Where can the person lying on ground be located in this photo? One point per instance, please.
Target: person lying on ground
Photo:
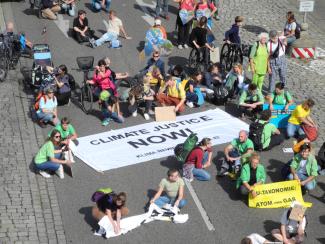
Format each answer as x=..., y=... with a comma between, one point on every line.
x=102, y=79
x=49, y=156
x=113, y=206
x=291, y=231
x=236, y=153
x=173, y=189
x=300, y=115
x=47, y=112
x=304, y=168
x=114, y=28
x=254, y=239
x=251, y=101
x=271, y=136
x=175, y=95
x=198, y=160
x=110, y=108
x=280, y=97
x=81, y=30
x=252, y=174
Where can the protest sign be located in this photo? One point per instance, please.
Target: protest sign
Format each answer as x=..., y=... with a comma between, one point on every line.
x=144, y=142
x=186, y=16
x=277, y=195
x=279, y=115
x=154, y=41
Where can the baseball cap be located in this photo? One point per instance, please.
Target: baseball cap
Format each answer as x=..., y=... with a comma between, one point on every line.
x=157, y=22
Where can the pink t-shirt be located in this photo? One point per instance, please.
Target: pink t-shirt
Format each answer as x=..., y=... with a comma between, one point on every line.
x=187, y=5
x=206, y=6
x=104, y=82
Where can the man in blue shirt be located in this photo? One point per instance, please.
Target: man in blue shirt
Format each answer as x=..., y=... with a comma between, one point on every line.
x=155, y=61
x=232, y=35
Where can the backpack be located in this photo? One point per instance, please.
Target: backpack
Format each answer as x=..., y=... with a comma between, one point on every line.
x=275, y=54
x=255, y=134
x=220, y=95
x=99, y=193
x=38, y=99
x=182, y=150
x=297, y=30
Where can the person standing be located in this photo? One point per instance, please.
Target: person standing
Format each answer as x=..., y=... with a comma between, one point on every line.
x=162, y=4
x=258, y=59
x=277, y=59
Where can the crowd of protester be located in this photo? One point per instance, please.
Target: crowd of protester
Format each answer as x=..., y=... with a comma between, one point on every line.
x=158, y=87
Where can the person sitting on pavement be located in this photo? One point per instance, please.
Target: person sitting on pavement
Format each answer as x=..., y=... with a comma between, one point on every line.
x=300, y=115
x=114, y=207
x=304, y=168
x=178, y=72
x=291, y=231
x=69, y=6
x=48, y=158
x=251, y=101
x=254, y=239
x=280, y=97
x=110, y=108
x=156, y=80
x=102, y=79
x=290, y=28
x=277, y=59
x=198, y=160
x=81, y=30
x=47, y=112
x=155, y=60
x=194, y=96
x=212, y=77
x=114, y=75
x=50, y=8
x=252, y=174
x=232, y=35
x=271, y=136
x=236, y=153
x=98, y=5
x=114, y=28
x=175, y=94
x=235, y=80
x=198, y=40
x=173, y=187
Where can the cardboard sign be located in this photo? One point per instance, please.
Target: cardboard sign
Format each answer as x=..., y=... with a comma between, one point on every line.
x=215, y=55
x=165, y=113
x=297, y=213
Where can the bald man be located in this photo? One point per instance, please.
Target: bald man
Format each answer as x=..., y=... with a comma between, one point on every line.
x=236, y=152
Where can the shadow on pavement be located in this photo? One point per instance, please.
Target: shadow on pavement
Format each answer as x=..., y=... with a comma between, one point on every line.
x=322, y=219
x=30, y=11
x=321, y=240
x=229, y=187
x=254, y=29
x=274, y=170
x=150, y=11
x=232, y=108
x=270, y=225
x=86, y=211
x=171, y=163
x=150, y=194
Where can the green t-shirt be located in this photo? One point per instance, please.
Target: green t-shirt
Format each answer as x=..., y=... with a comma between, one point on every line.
x=268, y=131
x=247, y=97
x=46, y=152
x=64, y=133
x=281, y=99
x=242, y=147
x=171, y=188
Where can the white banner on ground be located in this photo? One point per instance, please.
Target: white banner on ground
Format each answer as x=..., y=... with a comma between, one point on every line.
x=141, y=143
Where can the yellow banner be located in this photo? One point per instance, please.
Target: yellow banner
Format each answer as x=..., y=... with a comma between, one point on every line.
x=277, y=195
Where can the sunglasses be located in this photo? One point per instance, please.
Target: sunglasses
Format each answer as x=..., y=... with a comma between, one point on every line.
x=156, y=56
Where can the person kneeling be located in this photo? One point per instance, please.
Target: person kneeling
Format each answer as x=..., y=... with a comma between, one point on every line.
x=198, y=160
x=252, y=174
x=110, y=108
x=251, y=101
x=304, y=168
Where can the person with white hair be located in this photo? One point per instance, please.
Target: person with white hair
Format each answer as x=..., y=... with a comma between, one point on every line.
x=258, y=59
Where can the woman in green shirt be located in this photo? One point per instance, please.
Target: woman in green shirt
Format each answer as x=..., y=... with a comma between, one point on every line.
x=252, y=174
x=258, y=59
x=48, y=158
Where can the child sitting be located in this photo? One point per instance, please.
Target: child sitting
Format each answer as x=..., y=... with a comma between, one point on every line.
x=110, y=108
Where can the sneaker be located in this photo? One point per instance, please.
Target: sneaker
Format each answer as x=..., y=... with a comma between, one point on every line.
x=44, y=174
x=105, y=122
x=146, y=116
x=185, y=46
x=190, y=104
x=180, y=47
x=188, y=179
x=209, y=91
x=92, y=43
x=151, y=112
x=60, y=172
x=135, y=113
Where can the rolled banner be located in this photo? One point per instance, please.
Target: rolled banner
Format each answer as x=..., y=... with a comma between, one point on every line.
x=186, y=16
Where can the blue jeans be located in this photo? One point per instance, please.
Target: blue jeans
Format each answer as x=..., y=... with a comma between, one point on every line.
x=191, y=97
x=112, y=115
x=162, y=200
x=71, y=8
x=292, y=129
x=309, y=186
x=162, y=4
x=49, y=165
x=291, y=39
x=45, y=117
x=97, y=7
x=202, y=174
x=107, y=37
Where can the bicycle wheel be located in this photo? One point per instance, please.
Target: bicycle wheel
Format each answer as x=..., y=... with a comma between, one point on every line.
x=86, y=97
x=237, y=56
x=193, y=60
x=225, y=56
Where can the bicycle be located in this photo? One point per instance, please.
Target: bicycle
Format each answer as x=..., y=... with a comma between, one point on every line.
x=4, y=59
x=231, y=53
x=196, y=60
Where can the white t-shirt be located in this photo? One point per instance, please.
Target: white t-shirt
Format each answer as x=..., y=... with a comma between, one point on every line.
x=275, y=45
x=256, y=238
x=302, y=166
x=114, y=25
x=289, y=27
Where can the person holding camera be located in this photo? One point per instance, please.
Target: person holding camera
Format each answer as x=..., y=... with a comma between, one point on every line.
x=49, y=156
x=277, y=60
